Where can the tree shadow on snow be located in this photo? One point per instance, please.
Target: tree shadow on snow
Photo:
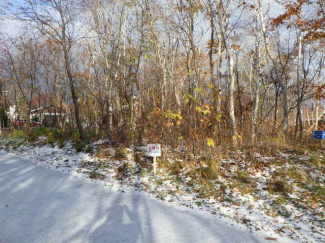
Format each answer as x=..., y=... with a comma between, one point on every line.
x=48, y=206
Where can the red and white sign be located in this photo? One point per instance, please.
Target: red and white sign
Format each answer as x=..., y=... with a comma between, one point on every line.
x=154, y=150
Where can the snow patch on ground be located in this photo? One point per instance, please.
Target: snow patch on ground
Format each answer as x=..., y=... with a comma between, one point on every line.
x=289, y=223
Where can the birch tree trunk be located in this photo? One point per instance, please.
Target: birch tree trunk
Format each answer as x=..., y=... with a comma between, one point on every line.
x=219, y=66
x=257, y=83
x=221, y=21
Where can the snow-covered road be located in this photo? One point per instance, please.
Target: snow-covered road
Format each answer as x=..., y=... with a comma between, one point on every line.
x=41, y=205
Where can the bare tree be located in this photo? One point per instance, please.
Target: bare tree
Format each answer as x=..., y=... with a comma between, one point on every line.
x=56, y=20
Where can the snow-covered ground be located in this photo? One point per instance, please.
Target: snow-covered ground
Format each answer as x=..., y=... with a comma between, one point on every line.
x=254, y=206
x=39, y=205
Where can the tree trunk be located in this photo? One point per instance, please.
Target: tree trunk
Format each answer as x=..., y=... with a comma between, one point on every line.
x=212, y=79
x=72, y=90
x=298, y=118
x=219, y=66
x=231, y=75
x=66, y=54
x=318, y=98
x=1, y=97
x=280, y=80
x=316, y=114
x=257, y=83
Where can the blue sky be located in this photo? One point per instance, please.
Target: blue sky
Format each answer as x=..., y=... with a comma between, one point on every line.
x=4, y=4
x=18, y=2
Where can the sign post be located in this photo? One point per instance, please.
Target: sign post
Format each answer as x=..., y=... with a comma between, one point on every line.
x=154, y=150
x=4, y=93
x=319, y=135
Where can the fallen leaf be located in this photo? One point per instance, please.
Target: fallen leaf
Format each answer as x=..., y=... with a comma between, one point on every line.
x=270, y=238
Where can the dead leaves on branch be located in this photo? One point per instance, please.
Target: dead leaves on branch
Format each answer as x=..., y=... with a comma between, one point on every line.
x=313, y=27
